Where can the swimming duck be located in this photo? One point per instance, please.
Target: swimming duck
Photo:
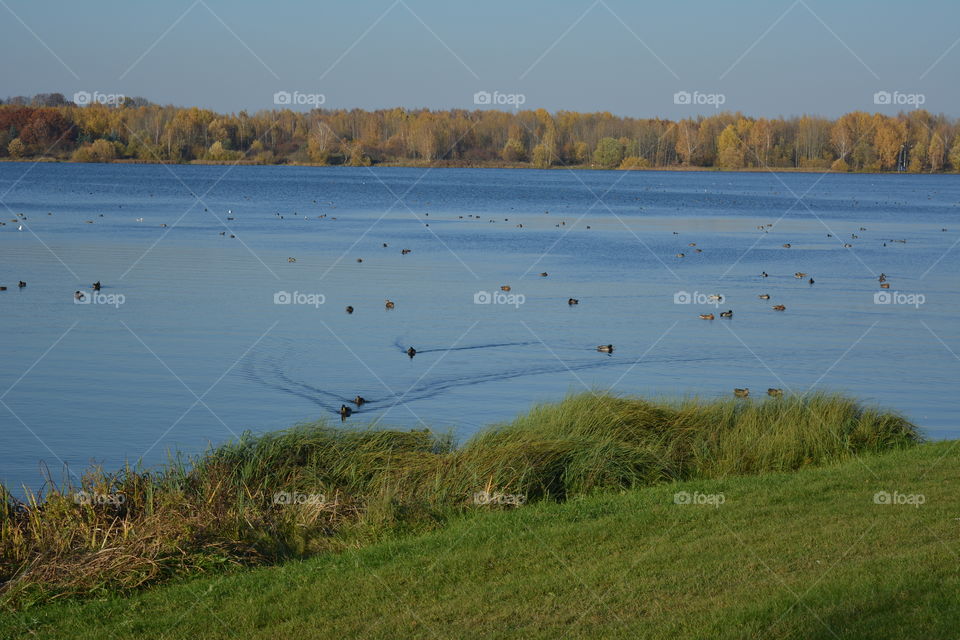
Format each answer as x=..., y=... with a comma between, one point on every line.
x=605, y=348
x=786, y=246
x=882, y=278
x=774, y=392
x=572, y=301
x=706, y=316
x=3, y=288
x=345, y=412
x=404, y=252
x=78, y=295
x=764, y=296
x=291, y=259
x=715, y=296
x=359, y=259
x=741, y=393
x=389, y=304
x=349, y=309
x=810, y=280
x=505, y=287
x=692, y=244
x=779, y=307
x=726, y=314
x=680, y=255
x=96, y=286
x=544, y=274
x=764, y=274
x=385, y=244
x=359, y=400
x=411, y=352
x=799, y=274
x=22, y=284
x=885, y=285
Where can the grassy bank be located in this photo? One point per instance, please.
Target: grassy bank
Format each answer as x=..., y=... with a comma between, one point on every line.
x=805, y=555
x=318, y=488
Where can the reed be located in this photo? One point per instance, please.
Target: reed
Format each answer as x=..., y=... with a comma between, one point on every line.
x=317, y=488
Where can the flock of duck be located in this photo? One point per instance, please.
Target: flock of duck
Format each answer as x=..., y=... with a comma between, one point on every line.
x=345, y=411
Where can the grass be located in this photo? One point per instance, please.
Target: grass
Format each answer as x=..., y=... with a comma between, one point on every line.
x=220, y=511
x=805, y=555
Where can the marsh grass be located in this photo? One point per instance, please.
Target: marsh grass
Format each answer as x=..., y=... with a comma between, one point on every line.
x=353, y=487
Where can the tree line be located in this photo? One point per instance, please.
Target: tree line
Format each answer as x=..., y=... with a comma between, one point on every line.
x=136, y=130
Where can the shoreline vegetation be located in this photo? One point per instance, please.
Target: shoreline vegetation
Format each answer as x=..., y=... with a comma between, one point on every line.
x=47, y=127
x=316, y=489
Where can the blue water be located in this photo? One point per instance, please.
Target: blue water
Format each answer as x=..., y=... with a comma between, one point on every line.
x=185, y=346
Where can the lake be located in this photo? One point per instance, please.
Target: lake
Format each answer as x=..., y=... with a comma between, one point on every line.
x=204, y=327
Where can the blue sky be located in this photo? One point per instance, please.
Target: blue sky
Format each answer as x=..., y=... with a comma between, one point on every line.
x=766, y=58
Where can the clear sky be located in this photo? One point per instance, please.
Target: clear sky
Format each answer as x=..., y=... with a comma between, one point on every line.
x=765, y=58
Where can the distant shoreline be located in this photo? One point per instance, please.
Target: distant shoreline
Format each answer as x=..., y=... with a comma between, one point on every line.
x=491, y=165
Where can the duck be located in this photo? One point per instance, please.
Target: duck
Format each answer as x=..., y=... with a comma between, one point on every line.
x=726, y=314
x=715, y=296
x=389, y=304
x=78, y=295
x=680, y=255
x=21, y=284
x=291, y=259
x=692, y=244
x=404, y=252
x=345, y=412
x=349, y=309
x=764, y=296
x=764, y=274
x=799, y=274
x=774, y=392
x=885, y=285
x=544, y=274
x=411, y=352
x=883, y=277
x=741, y=393
x=787, y=245
x=3, y=288
x=605, y=348
x=572, y=301
x=706, y=316
x=385, y=244
x=95, y=286
x=359, y=400
x=505, y=287
x=359, y=259
x=810, y=280
x=847, y=245
x=779, y=307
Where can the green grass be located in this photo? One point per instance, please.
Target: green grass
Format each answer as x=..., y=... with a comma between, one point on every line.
x=217, y=512
x=786, y=555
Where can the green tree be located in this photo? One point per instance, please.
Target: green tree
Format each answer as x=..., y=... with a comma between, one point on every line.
x=730, y=149
x=609, y=153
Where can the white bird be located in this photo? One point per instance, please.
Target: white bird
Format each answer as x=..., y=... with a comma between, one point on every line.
x=139, y=219
x=20, y=227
